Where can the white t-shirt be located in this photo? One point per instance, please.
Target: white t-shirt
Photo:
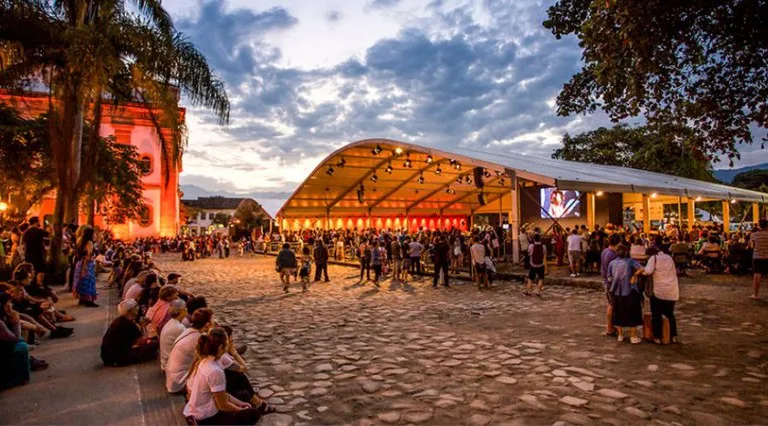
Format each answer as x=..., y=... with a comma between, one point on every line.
x=128, y=285
x=662, y=267
x=574, y=243
x=478, y=253
x=133, y=293
x=180, y=359
x=207, y=379
x=171, y=331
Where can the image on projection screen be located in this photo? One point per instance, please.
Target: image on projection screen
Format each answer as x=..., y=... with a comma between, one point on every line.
x=559, y=204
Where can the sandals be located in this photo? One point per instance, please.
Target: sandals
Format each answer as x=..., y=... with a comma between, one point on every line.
x=265, y=408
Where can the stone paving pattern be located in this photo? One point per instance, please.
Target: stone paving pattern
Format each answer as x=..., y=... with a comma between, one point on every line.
x=347, y=353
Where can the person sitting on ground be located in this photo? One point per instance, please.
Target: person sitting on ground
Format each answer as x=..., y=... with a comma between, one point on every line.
x=14, y=352
x=172, y=329
x=209, y=402
x=132, y=288
x=626, y=295
x=158, y=314
x=238, y=383
x=286, y=265
x=183, y=351
x=193, y=305
x=37, y=290
x=124, y=343
x=39, y=311
x=711, y=253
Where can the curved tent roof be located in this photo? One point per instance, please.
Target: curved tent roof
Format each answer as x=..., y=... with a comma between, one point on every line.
x=401, y=178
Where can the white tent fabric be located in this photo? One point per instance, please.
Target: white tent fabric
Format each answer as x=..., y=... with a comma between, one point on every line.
x=392, y=188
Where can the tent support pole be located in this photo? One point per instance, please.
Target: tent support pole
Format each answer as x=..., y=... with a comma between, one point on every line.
x=514, y=219
x=726, y=217
x=646, y=214
x=680, y=212
x=755, y=212
x=691, y=213
x=591, y=210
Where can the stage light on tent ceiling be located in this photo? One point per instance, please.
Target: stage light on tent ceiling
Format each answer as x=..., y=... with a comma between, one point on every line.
x=698, y=198
x=654, y=195
x=429, y=159
x=389, y=168
x=599, y=193
x=468, y=180
x=438, y=170
x=374, y=177
x=733, y=201
x=458, y=179
x=330, y=171
x=377, y=150
x=486, y=173
x=421, y=178
x=501, y=181
x=398, y=151
x=457, y=166
x=341, y=163
x=407, y=163
x=450, y=191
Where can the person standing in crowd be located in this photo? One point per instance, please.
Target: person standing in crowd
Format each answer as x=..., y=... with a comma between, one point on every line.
x=574, y=252
x=759, y=242
x=606, y=257
x=306, y=268
x=665, y=292
x=123, y=344
x=405, y=251
x=558, y=242
x=477, y=252
x=33, y=241
x=537, y=255
x=627, y=297
x=286, y=265
x=84, y=278
x=321, y=260
x=397, y=259
x=378, y=260
x=442, y=253
x=414, y=253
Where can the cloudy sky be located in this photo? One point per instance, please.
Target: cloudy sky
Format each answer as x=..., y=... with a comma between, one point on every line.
x=307, y=76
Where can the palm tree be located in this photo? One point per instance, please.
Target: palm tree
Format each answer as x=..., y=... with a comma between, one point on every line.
x=91, y=52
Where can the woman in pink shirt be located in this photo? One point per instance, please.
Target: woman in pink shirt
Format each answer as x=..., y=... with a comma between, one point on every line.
x=158, y=314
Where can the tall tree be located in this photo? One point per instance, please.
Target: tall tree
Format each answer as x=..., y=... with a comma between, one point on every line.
x=86, y=50
x=697, y=63
x=662, y=149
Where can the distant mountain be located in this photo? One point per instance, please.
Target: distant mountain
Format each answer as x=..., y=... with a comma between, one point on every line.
x=727, y=175
x=270, y=200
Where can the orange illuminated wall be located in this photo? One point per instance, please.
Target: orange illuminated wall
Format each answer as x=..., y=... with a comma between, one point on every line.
x=412, y=223
x=130, y=124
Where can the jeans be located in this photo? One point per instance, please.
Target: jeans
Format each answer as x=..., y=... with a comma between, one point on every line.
x=376, y=272
x=365, y=269
x=441, y=266
x=666, y=308
x=321, y=267
x=415, y=265
x=15, y=370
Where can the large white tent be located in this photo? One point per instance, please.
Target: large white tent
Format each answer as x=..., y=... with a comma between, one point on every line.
x=377, y=182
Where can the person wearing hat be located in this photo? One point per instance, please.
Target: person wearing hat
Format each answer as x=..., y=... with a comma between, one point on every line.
x=124, y=343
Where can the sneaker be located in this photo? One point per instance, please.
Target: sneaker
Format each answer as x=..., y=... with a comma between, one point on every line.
x=61, y=332
x=620, y=338
x=635, y=340
x=754, y=297
x=572, y=275
x=675, y=340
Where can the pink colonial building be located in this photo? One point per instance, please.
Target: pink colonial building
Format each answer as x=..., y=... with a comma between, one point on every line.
x=130, y=124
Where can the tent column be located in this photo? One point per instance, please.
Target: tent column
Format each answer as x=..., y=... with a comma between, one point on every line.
x=591, y=210
x=646, y=214
x=755, y=213
x=691, y=212
x=471, y=220
x=679, y=212
x=726, y=216
x=514, y=220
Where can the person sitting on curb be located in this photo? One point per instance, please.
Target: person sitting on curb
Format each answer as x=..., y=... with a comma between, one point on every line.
x=172, y=329
x=182, y=353
x=124, y=343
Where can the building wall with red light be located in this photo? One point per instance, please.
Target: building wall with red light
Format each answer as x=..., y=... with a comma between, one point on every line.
x=130, y=124
x=412, y=223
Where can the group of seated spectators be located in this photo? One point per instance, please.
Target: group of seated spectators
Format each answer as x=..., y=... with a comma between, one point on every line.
x=159, y=321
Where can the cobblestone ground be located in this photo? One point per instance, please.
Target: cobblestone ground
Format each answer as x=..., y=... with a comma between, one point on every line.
x=346, y=353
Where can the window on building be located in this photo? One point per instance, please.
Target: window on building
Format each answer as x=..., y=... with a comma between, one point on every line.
x=146, y=165
x=211, y=215
x=145, y=218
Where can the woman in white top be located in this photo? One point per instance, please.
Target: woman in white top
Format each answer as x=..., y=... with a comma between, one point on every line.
x=665, y=292
x=182, y=353
x=209, y=403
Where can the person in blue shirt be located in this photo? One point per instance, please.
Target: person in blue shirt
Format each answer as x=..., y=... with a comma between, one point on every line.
x=627, y=296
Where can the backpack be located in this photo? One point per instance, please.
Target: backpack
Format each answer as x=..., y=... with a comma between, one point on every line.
x=537, y=258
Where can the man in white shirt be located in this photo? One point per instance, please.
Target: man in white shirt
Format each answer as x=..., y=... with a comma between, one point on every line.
x=477, y=252
x=172, y=329
x=574, y=252
x=665, y=292
x=414, y=252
